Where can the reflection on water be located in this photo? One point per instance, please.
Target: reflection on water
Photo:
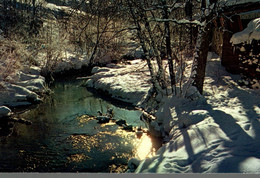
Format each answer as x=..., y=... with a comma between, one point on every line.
x=64, y=137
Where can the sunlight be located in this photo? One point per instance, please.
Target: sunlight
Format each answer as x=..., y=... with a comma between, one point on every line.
x=144, y=148
x=85, y=118
x=77, y=158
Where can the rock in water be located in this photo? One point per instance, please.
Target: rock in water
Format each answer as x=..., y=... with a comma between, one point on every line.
x=121, y=122
x=139, y=132
x=5, y=111
x=100, y=113
x=128, y=128
x=103, y=119
x=110, y=112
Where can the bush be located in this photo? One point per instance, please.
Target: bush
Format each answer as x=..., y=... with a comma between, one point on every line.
x=11, y=56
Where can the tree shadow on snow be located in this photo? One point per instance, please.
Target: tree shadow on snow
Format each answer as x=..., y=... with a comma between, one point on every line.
x=243, y=146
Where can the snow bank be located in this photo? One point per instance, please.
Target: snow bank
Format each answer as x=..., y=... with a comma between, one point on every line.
x=57, y=8
x=252, y=32
x=24, y=90
x=218, y=135
x=128, y=83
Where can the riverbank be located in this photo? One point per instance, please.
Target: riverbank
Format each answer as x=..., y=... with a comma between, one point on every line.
x=217, y=133
x=26, y=89
x=127, y=82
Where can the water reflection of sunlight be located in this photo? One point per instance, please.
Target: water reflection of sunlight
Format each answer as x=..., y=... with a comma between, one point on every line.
x=77, y=158
x=144, y=148
x=112, y=138
x=85, y=118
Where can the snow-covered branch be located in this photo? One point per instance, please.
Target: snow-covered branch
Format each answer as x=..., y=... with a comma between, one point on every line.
x=179, y=22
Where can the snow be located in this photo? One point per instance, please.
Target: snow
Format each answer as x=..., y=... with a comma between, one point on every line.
x=57, y=8
x=182, y=21
x=252, y=32
x=237, y=2
x=4, y=111
x=24, y=90
x=128, y=83
x=219, y=134
x=215, y=133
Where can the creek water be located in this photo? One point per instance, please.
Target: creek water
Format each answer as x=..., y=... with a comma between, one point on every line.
x=63, y=138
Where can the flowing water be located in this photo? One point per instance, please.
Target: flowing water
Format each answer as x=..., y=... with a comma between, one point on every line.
x=63, y=138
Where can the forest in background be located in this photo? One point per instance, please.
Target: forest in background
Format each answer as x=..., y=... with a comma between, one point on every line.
x=42, y=33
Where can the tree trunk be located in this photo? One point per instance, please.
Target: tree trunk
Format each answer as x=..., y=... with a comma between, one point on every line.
x=168, y=46
x=200, y=59
x=201, y=50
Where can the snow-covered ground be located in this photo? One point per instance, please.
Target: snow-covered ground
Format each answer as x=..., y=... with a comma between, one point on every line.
x=219, y=134
x=128, y=83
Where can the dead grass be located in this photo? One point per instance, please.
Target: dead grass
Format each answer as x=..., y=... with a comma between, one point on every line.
x=12, y=55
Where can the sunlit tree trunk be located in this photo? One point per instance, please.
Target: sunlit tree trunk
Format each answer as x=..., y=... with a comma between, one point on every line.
x=201, y=49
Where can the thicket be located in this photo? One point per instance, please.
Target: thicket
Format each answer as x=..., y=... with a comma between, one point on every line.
x=101, y=31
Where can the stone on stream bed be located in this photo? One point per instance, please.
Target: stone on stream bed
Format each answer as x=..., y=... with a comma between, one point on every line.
x=103, y=119
x=121, y=122
x=128, y=128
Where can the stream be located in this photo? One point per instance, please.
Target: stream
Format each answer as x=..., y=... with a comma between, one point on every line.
x=64, y=138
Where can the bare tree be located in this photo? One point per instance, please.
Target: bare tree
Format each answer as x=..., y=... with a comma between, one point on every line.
x=208, y=11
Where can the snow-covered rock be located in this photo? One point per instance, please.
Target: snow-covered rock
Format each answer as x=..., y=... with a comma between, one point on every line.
x=31, y=80
x=4, y=111
x=97, y=69
x=36, y=85
x=33, y=70
x=24, y=90
x=252, y=32
x=16, y=95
